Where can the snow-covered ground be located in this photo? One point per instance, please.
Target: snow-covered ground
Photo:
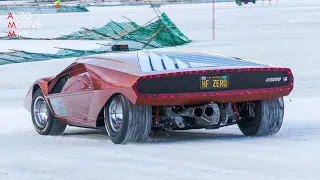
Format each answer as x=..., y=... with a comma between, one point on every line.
x=287, y=34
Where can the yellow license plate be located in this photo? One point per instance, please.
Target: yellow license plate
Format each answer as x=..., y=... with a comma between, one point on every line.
x=214, y=82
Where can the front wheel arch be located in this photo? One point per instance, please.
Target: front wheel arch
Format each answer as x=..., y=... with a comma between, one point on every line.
x=36, y=88
x=51, y=126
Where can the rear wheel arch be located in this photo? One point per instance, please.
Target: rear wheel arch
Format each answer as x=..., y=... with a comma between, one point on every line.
x=100, y=118
x=136, y=121
x=268, y=119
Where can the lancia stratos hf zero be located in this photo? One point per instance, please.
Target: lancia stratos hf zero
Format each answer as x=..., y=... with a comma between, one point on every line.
x=133, y=94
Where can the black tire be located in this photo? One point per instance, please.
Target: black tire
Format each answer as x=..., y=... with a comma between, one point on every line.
x=53, y=125
x=268, y=118
x=136, y=123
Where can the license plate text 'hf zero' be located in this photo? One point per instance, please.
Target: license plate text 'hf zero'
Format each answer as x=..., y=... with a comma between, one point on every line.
x=214, y=82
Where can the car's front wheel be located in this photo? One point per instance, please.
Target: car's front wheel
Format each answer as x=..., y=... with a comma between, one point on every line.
x=126, y=122
x=43, y=120
x=267, y=120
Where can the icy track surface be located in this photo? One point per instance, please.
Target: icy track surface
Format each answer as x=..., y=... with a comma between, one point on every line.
x=287, y=34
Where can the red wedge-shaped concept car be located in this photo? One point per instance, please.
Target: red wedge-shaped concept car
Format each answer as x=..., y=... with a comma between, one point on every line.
x=131, y=94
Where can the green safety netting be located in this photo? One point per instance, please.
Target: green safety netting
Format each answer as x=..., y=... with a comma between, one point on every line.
x=156, y=33
x=41, y=9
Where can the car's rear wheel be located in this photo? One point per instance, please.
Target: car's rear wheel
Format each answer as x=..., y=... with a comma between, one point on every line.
x=267, y=120
x=43, y=120
x=126, y=122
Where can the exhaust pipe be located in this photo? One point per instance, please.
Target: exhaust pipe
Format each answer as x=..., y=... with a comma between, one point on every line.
x=197, y=112
x=192, y=112
x=211, y=113
x=204, y=115
x=208, y=111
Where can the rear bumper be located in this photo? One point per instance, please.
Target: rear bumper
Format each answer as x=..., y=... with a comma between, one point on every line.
x=222, y=97
x=248, y=84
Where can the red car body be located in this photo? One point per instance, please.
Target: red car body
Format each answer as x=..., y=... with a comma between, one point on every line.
x=91, y=81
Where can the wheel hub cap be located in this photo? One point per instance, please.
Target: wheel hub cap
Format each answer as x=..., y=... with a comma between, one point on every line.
x=40, y=112
x=115, y=114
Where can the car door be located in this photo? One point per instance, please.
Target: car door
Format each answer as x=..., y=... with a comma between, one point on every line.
x=71, y=96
